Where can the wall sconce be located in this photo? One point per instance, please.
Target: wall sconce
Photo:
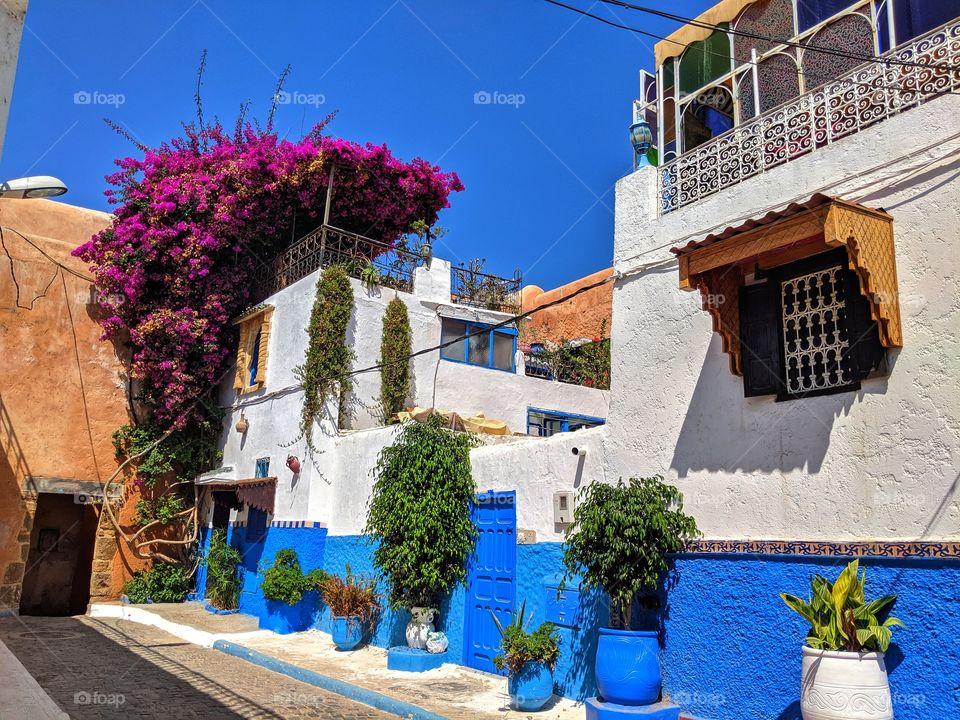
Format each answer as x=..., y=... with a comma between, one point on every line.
x=641, y=137
x=242, y=424
x=293, y=463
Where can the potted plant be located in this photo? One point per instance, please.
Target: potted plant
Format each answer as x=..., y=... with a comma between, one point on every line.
x=529, y=659
x=618, y=543
x=419, y=519
x=290, y=594
x=354, y=604
x=223, y=581
x=843, y=675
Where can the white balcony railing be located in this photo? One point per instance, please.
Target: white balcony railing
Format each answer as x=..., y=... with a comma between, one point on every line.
x=864, y=96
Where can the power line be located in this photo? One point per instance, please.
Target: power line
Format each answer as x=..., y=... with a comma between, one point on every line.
x=776, y=41
x=782, y=71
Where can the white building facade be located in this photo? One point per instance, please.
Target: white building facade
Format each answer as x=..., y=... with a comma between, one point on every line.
x=799, y=442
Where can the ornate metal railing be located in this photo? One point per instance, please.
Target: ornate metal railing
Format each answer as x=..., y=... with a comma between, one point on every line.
x=364, y=258
x=862, y=97
x=481, y=290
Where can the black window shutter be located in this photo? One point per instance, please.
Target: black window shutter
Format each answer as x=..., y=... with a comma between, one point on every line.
x=866, y=352
x=760, y=339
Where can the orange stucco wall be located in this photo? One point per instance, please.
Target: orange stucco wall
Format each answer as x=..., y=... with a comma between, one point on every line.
x=581, y=317
x=62, y=389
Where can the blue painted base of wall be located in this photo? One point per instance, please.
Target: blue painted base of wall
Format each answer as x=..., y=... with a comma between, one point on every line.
x=411, y=659
x=354, y=692
x=730, y=648
x=599, y=710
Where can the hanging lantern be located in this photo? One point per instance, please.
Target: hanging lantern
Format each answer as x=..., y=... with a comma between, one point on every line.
x=641, y=138
x=242, y=424
x=293, y=463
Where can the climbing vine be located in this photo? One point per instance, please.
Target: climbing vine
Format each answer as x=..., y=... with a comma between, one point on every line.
x=419, y=513
x=395, y=351
x=327, y=362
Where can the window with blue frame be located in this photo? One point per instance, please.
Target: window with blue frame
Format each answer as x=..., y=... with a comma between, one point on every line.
x=255, y=359
x=544, y=423
x=476, y=344
x=263, y=468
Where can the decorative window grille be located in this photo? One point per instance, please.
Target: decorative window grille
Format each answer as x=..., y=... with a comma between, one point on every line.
x=815, y=332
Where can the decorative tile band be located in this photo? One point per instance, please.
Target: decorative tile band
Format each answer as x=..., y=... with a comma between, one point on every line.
x=922, y=549
x=297, y=524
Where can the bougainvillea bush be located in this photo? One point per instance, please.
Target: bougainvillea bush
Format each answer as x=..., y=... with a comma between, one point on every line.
x=199, y=215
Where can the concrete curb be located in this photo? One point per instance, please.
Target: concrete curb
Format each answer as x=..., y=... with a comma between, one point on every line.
x=353, y=692
x=184, y=632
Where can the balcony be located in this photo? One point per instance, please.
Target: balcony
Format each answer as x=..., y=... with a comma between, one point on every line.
x=364, y=258
x=470, y=286
x=856, y=100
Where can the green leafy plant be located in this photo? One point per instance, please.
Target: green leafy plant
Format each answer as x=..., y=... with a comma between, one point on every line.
x=841, y=618
x=328, y=358
x=395, y=348
x=520, y=646
x=180, y=457
x=223, y=578
x=370, y=274
x=163, y=509
x=419, y=513
x=161, y=583
x=620, y=537
x=586, y=363
x=284, y=580
x=352, y=596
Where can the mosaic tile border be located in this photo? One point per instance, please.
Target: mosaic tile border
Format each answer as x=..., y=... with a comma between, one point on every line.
x=921, y=549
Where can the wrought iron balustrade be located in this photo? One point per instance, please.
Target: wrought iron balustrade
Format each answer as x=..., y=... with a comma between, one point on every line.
x=363, y=258
x=482, y=290
x=858, y=99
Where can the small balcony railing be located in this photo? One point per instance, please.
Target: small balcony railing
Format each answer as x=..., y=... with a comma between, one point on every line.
x=862, y=97
x=489, y=292
x=364, y=258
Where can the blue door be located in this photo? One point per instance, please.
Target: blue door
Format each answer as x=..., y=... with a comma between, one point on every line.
x=492, y=576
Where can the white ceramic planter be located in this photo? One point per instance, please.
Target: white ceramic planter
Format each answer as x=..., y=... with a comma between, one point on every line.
x=844, y=686
x=420, y=627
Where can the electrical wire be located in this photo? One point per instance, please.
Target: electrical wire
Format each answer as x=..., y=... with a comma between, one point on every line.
x=782, y=71
x=776, y=41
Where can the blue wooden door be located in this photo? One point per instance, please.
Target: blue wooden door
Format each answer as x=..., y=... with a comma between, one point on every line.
x=492, y=577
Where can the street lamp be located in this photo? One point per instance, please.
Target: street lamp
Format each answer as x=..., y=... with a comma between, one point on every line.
x=641, y=138
x=38, y=186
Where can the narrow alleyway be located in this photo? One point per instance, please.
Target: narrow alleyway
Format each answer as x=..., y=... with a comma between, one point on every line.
x=110, y=669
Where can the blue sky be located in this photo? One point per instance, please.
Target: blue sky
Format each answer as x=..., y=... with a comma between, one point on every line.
x=539, y=162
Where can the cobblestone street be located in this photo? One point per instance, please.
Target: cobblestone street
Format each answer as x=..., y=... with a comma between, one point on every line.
x=103, y=669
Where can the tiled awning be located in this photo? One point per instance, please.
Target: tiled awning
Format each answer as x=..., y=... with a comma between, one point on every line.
x=255, y=492
x=718, y=264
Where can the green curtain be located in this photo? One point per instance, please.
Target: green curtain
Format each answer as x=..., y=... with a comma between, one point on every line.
x=705, y=61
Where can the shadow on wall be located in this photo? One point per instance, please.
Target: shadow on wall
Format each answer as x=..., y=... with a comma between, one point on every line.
x=723, y=431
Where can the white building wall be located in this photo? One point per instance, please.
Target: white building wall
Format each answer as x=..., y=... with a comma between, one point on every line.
x=878, y=463
x=333, y=486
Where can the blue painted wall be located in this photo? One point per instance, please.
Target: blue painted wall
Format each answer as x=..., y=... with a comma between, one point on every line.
x=731, y=649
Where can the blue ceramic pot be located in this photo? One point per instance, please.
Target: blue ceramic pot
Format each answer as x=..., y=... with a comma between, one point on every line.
x=284, y=619
x=532, y=687
x=628, y=666
x=347, y=632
